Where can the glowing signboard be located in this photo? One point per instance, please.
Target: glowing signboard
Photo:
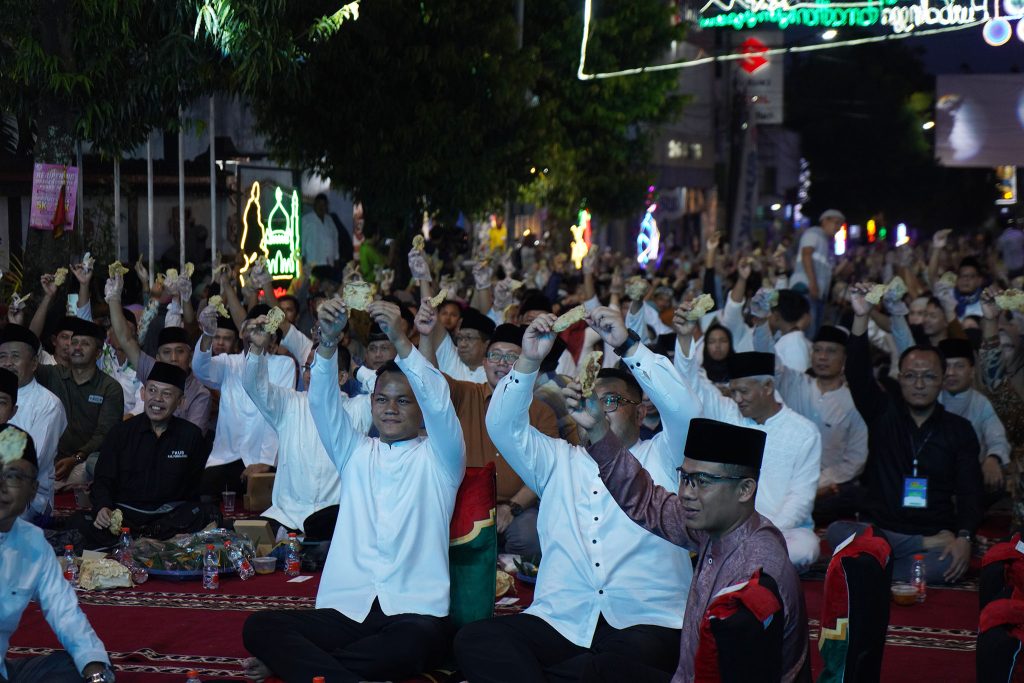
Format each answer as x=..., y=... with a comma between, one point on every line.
x=899, y=17
x=279, y=235
x=648, y=242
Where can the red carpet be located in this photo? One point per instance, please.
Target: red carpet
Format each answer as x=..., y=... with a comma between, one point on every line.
x=160, y=630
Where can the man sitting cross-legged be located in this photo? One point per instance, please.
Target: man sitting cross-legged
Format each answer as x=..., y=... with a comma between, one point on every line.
x=381, y=610
x=149, y=466
x=604, y=585
x=29, y=571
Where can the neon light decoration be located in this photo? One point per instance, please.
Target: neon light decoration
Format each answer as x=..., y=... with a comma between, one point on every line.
x=580, y=238
x=872, y=230
x=901, y=235
x=839, y=246
x=648, y=242
x=279, y=240
x=901, y=19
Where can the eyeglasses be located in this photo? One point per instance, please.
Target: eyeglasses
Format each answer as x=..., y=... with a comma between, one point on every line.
x=611, y=402
x=507, y=358
x=914, y=378
x=702, y=480
x=467, y=338
x=14, y=479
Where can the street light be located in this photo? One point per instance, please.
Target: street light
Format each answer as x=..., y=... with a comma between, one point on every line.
x=829, y=34
x=776, y=206
x=928, y=125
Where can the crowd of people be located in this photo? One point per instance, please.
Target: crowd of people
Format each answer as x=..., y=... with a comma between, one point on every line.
x=711, y=454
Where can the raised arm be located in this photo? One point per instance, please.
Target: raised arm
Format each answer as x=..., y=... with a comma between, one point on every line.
x=531, y=454
x=129, y=344
x=269, y=399
x=675, y=401
x=38, y=321
x=868, y=396
x=654, y=508
x=207, y=369
x=332, y=422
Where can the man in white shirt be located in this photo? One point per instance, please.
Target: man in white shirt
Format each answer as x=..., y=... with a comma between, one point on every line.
x=960, y=398
x=39, y=412
x=381, y=610
x=464, y=360
x=792, y=455
x=787, y=322
x=244, y=444
x=825, y=400
x=812, y=272
x=29, y=570
x=319, y=236
x=307, y=486
x=604, y=584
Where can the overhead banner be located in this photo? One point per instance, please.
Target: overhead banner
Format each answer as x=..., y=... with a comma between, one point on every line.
x=979, y=120
x=54, y=197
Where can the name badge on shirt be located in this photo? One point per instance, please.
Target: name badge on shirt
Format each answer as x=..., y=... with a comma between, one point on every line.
x=915, y=492
x=93, y=398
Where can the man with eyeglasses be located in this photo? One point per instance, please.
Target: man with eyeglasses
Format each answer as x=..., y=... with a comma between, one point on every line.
x=29, y=570
x=464, y=360
x=516, y=513
x=740, y=554
x=922, y=484
x=38, y=411
x=792, y=452
x=605, y=585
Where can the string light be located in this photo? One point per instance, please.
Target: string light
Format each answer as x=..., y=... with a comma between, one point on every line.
x=582, y=74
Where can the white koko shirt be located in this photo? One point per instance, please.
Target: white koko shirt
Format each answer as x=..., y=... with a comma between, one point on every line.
x=597, y=561
x=396, y=499
x=41, y=414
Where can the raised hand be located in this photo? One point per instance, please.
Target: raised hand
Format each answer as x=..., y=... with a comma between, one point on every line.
x=539, y=337
x=860, y=304
x=714, y=239
x=207, y=320
x=49, y=288
x=941, y=239
x=389, y=317
x=508, y=263
x=426, y=318
x=418, y=265
x=113, y=288
x=590, y=261
x=683, y=328
x=333, y=316
x=142, y=272
x=745, y=267
x=259, y=338
x=585, y=412
x=482, y=272
x=989, y=309
x=609, y=324
x=81, y=273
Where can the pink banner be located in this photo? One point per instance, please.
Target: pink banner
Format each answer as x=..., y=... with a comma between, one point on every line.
x=47, y=181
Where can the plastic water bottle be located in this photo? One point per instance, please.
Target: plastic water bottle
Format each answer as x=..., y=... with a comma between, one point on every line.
x=292, y=563
x=70, y=567
x=918, y=577
x=193, y=677
x=124, y=547
x=242, y=565
x=211, y=569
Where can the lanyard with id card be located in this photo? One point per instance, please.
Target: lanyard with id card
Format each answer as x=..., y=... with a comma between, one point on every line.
x=915, y=488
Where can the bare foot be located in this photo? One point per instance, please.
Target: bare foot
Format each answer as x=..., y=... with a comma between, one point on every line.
x=256, y=670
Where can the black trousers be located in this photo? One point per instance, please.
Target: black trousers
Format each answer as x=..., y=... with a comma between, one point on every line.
x=298, y=645
x=522, y=648
x=220, y=478
x=609, y=668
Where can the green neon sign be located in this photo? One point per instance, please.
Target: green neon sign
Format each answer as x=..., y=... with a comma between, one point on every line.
x=899, y=18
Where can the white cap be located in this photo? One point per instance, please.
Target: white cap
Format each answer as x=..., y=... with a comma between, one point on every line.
x=832, y=213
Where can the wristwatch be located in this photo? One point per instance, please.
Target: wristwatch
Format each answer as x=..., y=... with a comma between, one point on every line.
x=964, y=533
x=631, y=338
x=516, y=509
x=105, y=676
